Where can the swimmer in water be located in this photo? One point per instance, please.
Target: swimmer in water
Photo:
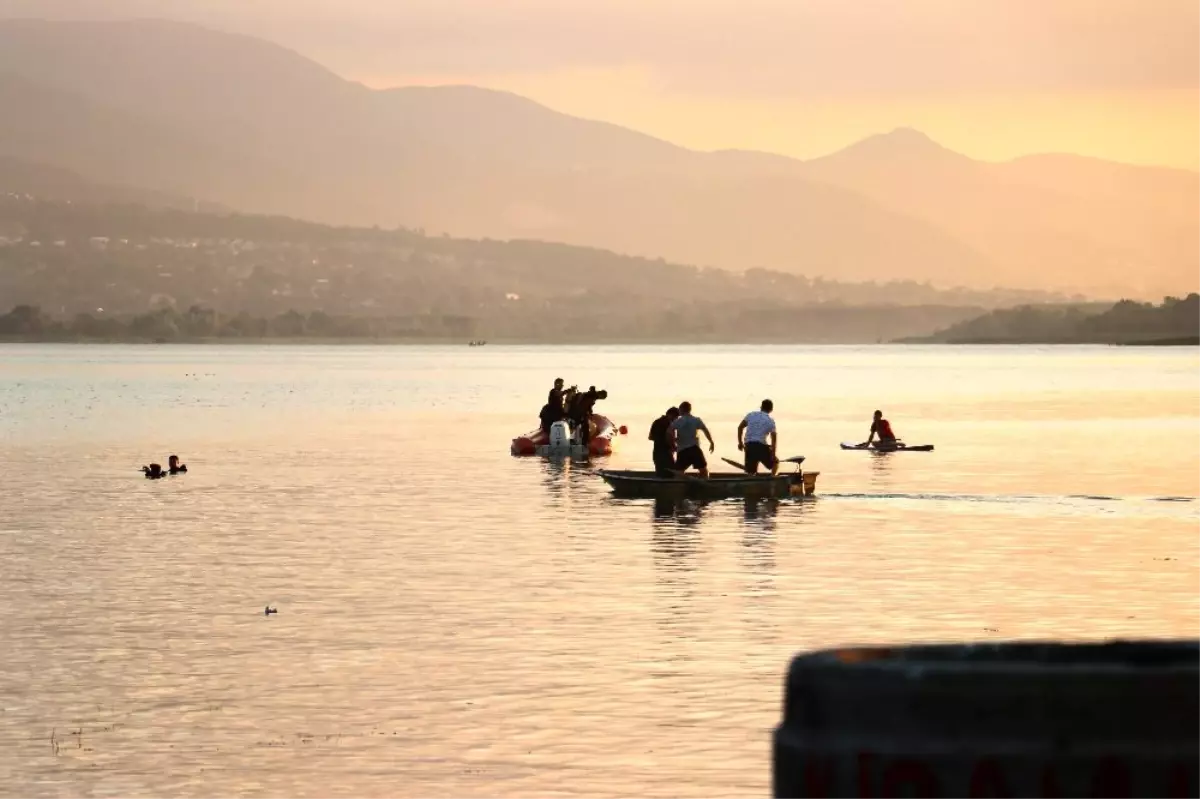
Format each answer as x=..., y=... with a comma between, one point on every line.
x=175, y=466
x=153, y=471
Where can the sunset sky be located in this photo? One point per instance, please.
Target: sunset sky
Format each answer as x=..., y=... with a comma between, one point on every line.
x=994, y=79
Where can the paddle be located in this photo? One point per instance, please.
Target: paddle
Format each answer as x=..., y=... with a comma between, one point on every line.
x=798, y=459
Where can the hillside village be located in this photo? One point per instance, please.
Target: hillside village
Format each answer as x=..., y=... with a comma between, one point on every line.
x=117, y=261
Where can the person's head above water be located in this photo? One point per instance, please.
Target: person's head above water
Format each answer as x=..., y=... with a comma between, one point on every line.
x=173, y=460
x=685, y=408
x=767, y=406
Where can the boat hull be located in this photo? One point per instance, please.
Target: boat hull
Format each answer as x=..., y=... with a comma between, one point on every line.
x=720, y=485
x=537, y=442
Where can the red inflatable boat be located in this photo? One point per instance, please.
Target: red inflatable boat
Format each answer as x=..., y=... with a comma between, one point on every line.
x=560, y=442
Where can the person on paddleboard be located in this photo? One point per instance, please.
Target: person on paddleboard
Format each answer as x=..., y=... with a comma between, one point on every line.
x=883, y=428
x=757, y=427
x=664, y=446
x=686, y=431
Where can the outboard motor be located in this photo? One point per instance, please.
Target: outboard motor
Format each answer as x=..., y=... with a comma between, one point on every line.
x=560, y=435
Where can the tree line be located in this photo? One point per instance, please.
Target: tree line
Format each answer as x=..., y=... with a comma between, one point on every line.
x=724, y=322
x=1174, y=320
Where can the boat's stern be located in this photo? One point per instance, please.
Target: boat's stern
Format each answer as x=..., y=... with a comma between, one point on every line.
x=804, y=484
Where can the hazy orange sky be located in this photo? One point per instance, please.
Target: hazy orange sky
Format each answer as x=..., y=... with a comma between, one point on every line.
x=994, y=79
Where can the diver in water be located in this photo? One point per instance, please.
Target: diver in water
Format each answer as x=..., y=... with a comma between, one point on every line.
x=155, y=470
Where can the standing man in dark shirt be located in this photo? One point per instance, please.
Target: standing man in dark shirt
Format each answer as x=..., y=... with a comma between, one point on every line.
x=555, y=398
x=664, y=444
x=552, y=411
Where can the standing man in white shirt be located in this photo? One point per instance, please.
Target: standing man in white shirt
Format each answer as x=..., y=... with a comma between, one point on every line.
x=757, y=427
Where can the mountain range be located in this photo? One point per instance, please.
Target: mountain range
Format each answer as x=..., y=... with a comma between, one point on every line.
x=181, y=111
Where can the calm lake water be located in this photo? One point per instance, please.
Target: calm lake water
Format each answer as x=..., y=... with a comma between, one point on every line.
x=454, y=621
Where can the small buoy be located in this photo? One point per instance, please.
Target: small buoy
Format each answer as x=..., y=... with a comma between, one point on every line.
x=623, y=430
x=269, y=610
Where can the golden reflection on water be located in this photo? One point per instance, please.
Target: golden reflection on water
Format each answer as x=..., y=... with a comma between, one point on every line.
x=454, y=621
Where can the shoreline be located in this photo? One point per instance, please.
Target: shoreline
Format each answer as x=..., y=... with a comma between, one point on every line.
x=1179, y=341
x=409, y=342
x=1190, y=341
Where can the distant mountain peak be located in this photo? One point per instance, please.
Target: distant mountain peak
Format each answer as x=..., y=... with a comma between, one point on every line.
x=907, y=134
x=192, y=112
x=899, y=143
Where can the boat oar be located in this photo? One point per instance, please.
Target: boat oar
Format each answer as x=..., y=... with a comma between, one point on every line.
x=796, y=460
x=739, y=466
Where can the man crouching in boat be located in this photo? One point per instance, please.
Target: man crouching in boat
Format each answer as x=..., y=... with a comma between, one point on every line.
x=664, y=446
x=883, y=428
x=757, y=427
x=687, y=441
x=581, y=408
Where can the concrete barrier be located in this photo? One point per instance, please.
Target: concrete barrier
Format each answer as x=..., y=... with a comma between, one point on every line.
x=1014, y=719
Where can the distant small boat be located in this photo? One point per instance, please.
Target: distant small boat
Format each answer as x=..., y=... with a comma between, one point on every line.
x=476, y=343
x=720, y=485
x=899, y=446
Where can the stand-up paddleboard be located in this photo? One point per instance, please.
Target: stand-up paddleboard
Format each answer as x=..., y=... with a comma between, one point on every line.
x=898, y=448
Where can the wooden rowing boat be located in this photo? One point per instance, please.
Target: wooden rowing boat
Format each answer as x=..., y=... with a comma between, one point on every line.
x=719, y=485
